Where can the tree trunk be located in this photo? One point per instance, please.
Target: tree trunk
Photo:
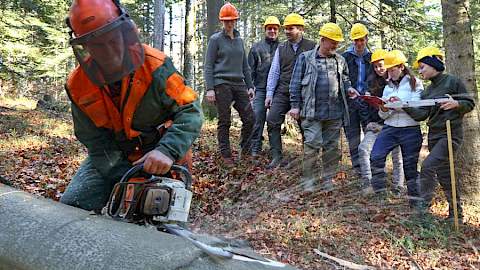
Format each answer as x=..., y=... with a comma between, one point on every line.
x=458, y=42
x=333, y=12
x=357, y=10
x=188, y=44
x=382, y=30
x=182, y=37
x=170, y=27
x=213, y=25
x=244, y=20
x=159, y=22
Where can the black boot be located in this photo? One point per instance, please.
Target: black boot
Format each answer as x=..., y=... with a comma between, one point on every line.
x=276, y=161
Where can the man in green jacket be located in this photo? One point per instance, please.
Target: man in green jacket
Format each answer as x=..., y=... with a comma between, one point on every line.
x=122, y=93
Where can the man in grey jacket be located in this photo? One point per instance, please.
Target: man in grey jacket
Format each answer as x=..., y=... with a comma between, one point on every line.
x=260, y=60
x=318, y=96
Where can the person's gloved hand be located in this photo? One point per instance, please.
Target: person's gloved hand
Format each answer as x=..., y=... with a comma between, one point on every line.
x=155, y=162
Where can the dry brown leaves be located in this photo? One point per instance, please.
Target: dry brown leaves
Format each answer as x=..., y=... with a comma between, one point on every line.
x=265, y=207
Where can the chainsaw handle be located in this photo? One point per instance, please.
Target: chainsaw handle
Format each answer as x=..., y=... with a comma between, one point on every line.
x=177, y=168
x=186, y=173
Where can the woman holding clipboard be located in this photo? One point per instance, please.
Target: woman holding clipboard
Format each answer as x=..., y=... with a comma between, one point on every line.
x=399, y=128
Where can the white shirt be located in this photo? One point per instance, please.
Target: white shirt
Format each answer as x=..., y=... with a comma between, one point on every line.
x=398, y=117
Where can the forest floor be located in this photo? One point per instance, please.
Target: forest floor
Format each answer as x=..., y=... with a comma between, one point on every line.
x=267, y=208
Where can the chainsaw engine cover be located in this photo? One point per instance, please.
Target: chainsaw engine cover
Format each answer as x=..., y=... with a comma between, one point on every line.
x=179, y=202
x=156, y=201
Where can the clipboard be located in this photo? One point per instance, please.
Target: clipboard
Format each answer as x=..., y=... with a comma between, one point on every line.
x=372, y=100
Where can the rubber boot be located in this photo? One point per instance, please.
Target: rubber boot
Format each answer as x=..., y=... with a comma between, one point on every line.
x=276, y=161
x=275, y=140
x=309, y=167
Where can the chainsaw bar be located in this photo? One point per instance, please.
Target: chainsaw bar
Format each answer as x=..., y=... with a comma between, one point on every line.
x=217, y=252
x=415, y=103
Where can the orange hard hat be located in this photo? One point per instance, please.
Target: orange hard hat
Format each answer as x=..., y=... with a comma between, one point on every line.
x=88, y=15
x=228, y=12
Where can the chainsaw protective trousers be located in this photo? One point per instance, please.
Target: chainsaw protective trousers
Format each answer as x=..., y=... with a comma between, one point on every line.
x=88, y=189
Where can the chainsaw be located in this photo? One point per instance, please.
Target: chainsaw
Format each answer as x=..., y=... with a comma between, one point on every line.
x=151, y=199
x=164, y=202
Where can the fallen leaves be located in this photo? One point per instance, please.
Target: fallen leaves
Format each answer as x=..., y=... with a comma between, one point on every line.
x=266, y=207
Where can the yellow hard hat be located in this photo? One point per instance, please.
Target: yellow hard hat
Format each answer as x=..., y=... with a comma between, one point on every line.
x=378, y=54
x=428, y=51
x=331, y=31
x=358, y=31
x=271, y=20
x=394, y=58
x=293, y=19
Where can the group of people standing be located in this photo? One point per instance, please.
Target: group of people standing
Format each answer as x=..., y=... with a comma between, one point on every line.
x=324, y=91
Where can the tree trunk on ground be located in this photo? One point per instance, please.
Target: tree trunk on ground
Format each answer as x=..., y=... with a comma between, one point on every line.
x=188, y=43
x=458, y=42
x=159, y=22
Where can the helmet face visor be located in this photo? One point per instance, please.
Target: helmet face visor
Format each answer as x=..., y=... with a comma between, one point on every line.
x=110, y=52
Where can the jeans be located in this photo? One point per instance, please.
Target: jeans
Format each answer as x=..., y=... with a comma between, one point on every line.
x=364, y=151
x=260, y=117
x=275, y=118
x=353, y=133
x=225, y=96
x=410, y=141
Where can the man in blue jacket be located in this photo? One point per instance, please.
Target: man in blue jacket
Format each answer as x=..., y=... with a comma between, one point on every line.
x=359, y=66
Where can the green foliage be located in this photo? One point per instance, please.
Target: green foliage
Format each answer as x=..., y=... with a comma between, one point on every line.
x=407, y=25
x=34, y=44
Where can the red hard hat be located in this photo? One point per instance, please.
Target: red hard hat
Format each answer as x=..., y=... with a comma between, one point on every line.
x=228, y=12
x=88, y=15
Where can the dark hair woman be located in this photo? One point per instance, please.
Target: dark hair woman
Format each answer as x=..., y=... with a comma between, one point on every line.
x=376, y=82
